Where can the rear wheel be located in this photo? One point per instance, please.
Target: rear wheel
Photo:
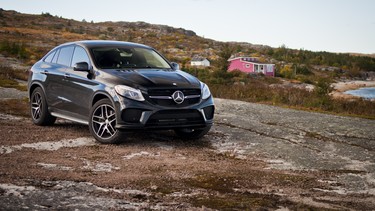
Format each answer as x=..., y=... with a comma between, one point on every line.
x=190, y=134
x=39, y=108
x=102, y=123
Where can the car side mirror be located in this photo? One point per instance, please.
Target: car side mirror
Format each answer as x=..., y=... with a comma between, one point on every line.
x=175, y=66
x=81, y=66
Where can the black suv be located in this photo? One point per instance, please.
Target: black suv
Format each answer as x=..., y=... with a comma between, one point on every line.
x=117, y=86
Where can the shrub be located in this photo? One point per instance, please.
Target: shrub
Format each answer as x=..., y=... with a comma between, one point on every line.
x=8, y=76
x=14, y=49
x=240, y=86
x=323, y=87
x=287, y=71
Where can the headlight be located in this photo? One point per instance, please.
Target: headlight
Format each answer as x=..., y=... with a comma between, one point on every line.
x=129, y=92
x=205, y=91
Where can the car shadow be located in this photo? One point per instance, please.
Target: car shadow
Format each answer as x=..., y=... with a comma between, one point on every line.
x=165, y=137
x=72, y=127
x=142, y=137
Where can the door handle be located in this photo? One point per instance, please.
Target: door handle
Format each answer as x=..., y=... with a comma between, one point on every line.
x=67, y=75
x=45, y=72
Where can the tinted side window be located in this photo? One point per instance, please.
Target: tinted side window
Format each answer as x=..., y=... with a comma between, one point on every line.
x=54, y=60
x=50, y=57
x=65, y=55
x=80, y=55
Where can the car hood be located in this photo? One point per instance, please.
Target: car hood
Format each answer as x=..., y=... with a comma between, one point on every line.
x=152, y=78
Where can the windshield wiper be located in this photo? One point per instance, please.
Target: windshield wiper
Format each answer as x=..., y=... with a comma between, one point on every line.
x=128, y=65
x=140, y=67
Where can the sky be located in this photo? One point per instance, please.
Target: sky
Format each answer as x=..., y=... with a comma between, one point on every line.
x=345, y=26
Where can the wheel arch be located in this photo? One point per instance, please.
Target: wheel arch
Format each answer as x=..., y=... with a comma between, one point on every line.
x=99, y=96
x=33, y=87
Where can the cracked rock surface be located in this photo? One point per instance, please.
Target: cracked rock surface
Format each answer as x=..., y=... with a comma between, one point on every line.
x=255, y=157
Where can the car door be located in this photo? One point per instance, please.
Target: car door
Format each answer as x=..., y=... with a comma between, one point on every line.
x=53, y=83
x=56, y=89
x=79, y=85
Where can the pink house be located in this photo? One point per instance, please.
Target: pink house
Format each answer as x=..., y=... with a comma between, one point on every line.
x=251, y=65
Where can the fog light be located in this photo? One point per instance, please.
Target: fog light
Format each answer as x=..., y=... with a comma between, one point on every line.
x=209, y=112
x=131, y=115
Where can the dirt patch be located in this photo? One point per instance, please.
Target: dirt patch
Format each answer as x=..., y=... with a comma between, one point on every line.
x=268, y=159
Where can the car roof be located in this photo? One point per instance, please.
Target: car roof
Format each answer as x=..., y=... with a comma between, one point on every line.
x=105, y=43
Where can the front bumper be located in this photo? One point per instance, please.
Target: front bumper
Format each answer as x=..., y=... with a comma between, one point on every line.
x=145, y=115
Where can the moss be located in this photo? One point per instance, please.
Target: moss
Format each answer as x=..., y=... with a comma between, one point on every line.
x=8, y=78
x=213, y=182
x=15, y=107
x=10, y=83
x=235, y=202
x=248, y=201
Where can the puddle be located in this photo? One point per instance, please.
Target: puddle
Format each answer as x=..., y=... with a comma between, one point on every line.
x=141, y=154
x=50, y=146
x=52, y=166
x=280, y=165
x=60, y=194
x=9, y=117
x=98, y=166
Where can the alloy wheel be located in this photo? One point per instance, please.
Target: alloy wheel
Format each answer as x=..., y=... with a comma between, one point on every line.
x=104, y=121
x=36, y=106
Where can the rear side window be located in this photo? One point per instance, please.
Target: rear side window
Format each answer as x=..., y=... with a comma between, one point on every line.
x=54, y=60
x=50, y=57
x=65, y=55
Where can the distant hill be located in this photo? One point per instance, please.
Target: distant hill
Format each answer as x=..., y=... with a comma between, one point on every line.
x=46, y=31
x=29, y=37
x=42, y=32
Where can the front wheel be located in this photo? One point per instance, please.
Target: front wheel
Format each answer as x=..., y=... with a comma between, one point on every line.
x=191, y=134
x=102, y=123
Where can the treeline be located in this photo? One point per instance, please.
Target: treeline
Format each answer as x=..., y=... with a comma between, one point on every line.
x=340, y=60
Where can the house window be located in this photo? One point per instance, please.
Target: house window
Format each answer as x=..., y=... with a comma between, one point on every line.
x=247, y=65
x=269, y=68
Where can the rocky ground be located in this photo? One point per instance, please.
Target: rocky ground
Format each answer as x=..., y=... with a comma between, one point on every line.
x=256, y=157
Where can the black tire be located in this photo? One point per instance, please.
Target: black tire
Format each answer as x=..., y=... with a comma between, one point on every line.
x=102, y=123
x=39, y=108
x=192, y=134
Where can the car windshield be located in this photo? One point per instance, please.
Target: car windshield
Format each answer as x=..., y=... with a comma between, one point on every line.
x=131, y=57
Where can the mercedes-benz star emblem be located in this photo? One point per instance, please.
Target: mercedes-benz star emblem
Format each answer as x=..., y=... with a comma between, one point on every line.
x=178, y=97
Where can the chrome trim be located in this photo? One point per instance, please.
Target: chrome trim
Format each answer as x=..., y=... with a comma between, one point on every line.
x=203, y=114
x=69, y=118
x=170, y=98
x=178, y=97
x=161, y=97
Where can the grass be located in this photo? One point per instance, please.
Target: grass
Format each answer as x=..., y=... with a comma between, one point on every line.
x=294, y=98
x=9, y=77
x=15, y=107
x=267, y=90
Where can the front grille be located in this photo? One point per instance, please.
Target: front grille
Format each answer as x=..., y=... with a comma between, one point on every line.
x=163, y=97
x=175, y=118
